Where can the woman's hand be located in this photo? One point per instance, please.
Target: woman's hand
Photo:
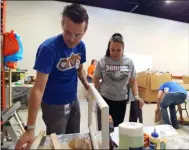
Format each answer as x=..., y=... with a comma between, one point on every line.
x=141, y=102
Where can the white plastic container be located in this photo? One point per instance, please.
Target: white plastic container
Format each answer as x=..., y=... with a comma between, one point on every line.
x=131, y=135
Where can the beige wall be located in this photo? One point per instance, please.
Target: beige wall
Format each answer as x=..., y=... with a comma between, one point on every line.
x=167, y=42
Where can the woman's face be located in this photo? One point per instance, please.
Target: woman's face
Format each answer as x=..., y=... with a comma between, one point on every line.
x=116, y=50
x=94, y=63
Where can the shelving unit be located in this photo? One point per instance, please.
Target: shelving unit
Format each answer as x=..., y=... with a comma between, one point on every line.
x=3, y=86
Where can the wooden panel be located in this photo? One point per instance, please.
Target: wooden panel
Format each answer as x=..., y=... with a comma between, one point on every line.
x=55, y=141
x=37, y=141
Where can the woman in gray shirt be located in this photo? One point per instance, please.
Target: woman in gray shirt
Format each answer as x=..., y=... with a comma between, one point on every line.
x=116, y=71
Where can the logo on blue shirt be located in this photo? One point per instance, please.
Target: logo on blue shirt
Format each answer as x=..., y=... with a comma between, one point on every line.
x=69, y=62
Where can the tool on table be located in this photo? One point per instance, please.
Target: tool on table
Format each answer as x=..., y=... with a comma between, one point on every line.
x=146, y=140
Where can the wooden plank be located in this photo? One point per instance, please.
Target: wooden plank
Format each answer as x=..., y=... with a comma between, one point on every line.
x=10, y=88
x=55, y=141
x=65, y=146
x=37, y=141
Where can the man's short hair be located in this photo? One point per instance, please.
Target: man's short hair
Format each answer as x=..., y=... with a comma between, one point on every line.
x=76, y=13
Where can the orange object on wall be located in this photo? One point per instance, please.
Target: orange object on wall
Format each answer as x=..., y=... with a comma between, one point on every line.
x=10, y=45
x=12, y=65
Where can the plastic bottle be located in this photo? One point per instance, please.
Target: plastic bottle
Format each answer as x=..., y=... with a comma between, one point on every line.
x=154, y=140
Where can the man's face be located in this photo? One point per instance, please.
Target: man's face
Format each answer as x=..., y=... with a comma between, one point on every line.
x=72, y=32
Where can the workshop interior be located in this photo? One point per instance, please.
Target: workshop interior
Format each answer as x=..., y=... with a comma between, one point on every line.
x=135, y=96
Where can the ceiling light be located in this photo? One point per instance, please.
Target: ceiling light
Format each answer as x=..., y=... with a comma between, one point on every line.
x=168, y=2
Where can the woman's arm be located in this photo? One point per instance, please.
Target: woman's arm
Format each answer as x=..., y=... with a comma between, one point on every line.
x=134, y=88
x=96, y=81
x=90, y=72
x=97, y=76
x=90, y=75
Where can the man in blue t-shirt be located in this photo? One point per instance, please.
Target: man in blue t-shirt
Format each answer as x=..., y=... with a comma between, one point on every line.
x=169, y=95
x=59, y=63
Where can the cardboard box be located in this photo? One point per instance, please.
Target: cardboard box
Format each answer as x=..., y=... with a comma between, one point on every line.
x=158, y=79
x=185, y=79
x=179, y=81
x=149, y=84
x=152, y=81
x=186, y=86
x=148, y=95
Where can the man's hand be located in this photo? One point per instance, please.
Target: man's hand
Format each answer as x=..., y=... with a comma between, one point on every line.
x=158, y=108
x=159, y=98
x=26, y=140
x=141, y=102
x=86, y=85
x=110, y=119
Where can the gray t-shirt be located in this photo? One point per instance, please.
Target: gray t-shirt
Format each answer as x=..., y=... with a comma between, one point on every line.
x=115, y=76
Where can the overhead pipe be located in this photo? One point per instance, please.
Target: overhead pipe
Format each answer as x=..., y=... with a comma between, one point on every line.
x=134, y=9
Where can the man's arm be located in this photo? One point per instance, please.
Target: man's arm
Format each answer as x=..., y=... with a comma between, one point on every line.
x=82, y=76
x=159, y=98
x=36, y=97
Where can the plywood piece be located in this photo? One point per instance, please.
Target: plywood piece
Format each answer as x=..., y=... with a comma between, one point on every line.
x=49, y=146
x=80, y=143
x=65, y=146
x=89, y=144
x=37, y=141
x=55, y=141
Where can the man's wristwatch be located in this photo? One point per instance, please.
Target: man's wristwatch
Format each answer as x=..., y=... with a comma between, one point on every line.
x=29, y=127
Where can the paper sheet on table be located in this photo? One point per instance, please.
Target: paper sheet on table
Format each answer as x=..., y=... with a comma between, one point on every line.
x=162, y=130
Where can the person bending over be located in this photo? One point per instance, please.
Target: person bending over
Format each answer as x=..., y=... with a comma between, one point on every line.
x=171, y=94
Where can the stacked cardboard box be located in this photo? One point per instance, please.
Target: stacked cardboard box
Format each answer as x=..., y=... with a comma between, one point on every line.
x=149, y=83
x=182, y=80
x=185, y=82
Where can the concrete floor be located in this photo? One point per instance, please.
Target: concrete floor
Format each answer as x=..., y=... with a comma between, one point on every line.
x=148, y=117
x=148, y=120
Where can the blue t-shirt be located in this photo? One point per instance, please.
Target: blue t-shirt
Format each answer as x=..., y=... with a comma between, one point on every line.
x=173, y=87
x=61, y=63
